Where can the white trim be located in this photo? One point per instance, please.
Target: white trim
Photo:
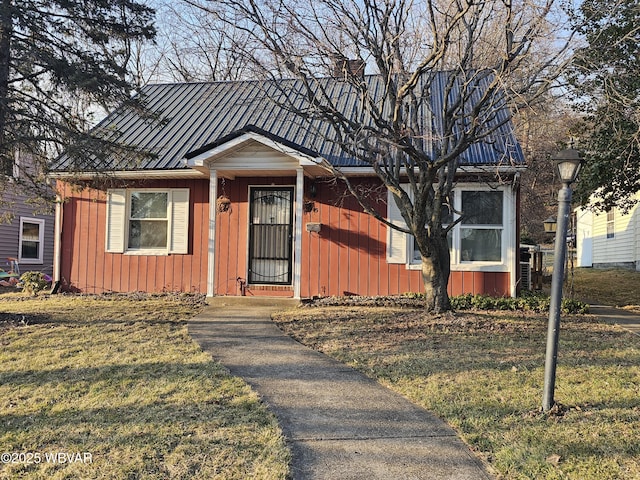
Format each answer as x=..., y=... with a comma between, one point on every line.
x=57, y=240
x=132, y=174
x=513, y=253
x=116, y=230
x=195, y=169
x=297, y=225
x=118, y=221
x=509, y=255
x=179, y=207
x=397, y=241
x=293, y=225
x=464, y=169
x=211, y=250
x=485, y=266
x=205, y=158
x=31, y=261
x=147, y=251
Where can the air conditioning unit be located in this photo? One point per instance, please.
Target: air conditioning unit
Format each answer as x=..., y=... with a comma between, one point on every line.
x=525, y=275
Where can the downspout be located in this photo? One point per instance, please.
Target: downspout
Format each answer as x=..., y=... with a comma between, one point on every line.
x=515, y=223
x=57, y=241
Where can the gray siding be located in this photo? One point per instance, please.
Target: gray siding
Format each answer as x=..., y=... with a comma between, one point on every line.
x=10, y=232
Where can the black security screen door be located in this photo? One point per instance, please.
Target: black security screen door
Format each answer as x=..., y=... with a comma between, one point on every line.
x=270, y=235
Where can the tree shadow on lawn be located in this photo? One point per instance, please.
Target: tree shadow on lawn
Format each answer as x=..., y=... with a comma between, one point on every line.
x=15, y=320
x=454, y=344
x=10, y=320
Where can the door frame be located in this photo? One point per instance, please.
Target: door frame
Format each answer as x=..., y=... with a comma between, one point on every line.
x=297, y=242
x=292, y=235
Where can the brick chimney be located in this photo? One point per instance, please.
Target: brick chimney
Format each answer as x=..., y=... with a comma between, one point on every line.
x=345, y=68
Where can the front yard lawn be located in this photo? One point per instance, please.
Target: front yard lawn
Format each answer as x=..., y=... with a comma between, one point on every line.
x=116, y=385
x=483, y=374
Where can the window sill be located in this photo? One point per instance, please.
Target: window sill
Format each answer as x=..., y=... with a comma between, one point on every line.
x=29, y=261
x=150, y=253
x=469, y=267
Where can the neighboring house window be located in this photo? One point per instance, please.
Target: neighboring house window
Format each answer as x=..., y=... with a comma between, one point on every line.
x=478, y=239
x=147, y=221
x=31, y=245
x=611, y=224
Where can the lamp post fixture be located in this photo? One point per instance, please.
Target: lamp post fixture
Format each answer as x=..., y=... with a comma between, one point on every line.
x=550, y=225
x=568, y=163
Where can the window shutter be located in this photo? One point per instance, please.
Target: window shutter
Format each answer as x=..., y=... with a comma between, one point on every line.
x=116, y=218
x=179, y=221
x=396, y=241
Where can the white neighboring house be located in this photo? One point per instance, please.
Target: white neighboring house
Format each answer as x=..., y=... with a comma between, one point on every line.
x=608, y=239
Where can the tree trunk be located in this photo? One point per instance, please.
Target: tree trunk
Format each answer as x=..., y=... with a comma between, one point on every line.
x=6, y=158
x=435, y=275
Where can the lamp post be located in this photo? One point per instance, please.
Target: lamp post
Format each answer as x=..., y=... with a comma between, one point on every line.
x=568, y=163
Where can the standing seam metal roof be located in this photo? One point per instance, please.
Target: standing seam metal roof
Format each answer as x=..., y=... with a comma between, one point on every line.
x=196, y=115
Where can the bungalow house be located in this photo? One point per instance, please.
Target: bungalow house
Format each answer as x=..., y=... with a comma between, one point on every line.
x=608, y=239
x=27, y=232
x=237, y=201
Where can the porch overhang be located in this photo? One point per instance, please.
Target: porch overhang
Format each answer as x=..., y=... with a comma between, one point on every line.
x=227, y=158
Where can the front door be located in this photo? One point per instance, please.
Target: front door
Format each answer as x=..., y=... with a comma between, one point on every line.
x=270, y=235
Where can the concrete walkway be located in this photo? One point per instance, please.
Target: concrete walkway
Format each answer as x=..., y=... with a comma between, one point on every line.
x=339, y=424
x=628, y=320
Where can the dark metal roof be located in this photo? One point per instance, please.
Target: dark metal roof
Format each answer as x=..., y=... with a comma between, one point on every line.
x=195, y=117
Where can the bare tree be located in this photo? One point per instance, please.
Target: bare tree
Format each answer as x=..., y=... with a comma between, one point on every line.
x=190, y=46
x=465, y=60
x=543, y=130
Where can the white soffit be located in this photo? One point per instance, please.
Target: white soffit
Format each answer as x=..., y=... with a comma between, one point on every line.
x=228, y=158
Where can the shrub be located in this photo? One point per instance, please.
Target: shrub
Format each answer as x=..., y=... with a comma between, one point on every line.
x=536, y=302
x=461, y=302
x=570, y=305
x=33, y=282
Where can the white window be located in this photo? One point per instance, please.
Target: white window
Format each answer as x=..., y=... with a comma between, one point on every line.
x=478, y=241
x=481, y=226
x=31, y=245
x=147, y=221
x=611, y=223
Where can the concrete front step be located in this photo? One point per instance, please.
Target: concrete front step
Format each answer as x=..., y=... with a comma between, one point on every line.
x=252, y=301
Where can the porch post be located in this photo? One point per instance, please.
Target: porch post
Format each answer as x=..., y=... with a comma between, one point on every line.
x=297, y=253
x=213, y=211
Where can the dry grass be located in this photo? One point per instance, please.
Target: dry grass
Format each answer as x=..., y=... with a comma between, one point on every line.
x=119, y=378
x=483, y=374
x=615, y=287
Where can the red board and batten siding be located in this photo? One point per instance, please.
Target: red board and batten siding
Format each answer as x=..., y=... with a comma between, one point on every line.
x=86, y=267
x=347, y=256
